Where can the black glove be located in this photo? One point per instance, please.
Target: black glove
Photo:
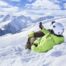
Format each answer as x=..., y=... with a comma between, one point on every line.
x=40, y=25
x=35, y=45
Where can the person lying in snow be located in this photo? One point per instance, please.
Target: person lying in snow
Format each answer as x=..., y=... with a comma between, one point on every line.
x=44, y=40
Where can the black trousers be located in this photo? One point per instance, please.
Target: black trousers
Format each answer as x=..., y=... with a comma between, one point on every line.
x=31, y=40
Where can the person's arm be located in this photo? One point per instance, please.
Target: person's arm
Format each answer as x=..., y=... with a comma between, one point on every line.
x=41, y=46
x=45, y=31
x=38, y=34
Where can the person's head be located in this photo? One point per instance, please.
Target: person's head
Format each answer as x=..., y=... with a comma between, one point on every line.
x=57, y=28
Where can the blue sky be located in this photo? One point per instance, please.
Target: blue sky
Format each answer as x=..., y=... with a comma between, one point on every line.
x=22, y=3
x=19, y=3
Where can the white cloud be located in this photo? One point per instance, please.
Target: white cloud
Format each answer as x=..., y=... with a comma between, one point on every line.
x=43, y=8
x=43, y=4
x=6, y=8
x=35, y=10
x=2, y=3
x=65, y=5
x=9, y=10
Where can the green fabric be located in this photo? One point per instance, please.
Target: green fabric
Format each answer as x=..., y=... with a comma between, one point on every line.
x=37, y=41
x=45, y=31
x=46, y=42
x=31, y=34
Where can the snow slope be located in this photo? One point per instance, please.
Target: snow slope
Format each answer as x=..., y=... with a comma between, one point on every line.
x=13, y=52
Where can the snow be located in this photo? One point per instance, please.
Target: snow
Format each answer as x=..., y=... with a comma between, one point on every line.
x=13, y=52
x=12, y=46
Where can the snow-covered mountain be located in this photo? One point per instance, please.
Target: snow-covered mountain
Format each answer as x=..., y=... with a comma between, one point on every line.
x=15, y=24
